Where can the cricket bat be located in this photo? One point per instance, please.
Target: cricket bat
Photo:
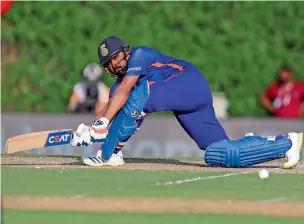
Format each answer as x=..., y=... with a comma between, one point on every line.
x=37, y=140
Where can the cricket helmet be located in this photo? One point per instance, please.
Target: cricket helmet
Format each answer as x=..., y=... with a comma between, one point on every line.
x=110, y=47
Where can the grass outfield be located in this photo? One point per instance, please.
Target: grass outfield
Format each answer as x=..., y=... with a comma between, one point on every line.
x=48, y=195
x=51, y=217
x=136, y=183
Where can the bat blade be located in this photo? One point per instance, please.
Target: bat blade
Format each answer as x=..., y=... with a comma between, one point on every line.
x=37, y=140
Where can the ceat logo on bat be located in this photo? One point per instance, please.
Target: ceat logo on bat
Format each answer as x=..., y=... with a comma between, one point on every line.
x=59, y=138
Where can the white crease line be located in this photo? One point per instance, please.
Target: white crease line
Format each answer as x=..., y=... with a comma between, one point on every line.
x=274, y=200
x=201, y=178
x=78, y=196
x=207, y=178
x=276, y=168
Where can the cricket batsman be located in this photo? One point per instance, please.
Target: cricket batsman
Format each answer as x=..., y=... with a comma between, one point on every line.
x=148, y=81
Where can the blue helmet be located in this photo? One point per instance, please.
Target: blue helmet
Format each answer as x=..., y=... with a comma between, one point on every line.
x=110, y=47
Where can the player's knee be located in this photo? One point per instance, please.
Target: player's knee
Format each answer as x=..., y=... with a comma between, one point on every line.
x=203, y=145
x=245, y=152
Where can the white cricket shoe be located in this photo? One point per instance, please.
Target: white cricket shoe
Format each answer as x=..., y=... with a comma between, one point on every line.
x=115, y=160
x=294, y=153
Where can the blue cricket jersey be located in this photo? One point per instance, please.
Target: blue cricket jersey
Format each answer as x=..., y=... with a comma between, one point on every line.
x=155, y=66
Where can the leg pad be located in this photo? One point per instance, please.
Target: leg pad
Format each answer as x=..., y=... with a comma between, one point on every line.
x=125, y=122
x=246, y=152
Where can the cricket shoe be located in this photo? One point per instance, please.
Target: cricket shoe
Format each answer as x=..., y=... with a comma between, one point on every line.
x=115, y=160
x=294, y=153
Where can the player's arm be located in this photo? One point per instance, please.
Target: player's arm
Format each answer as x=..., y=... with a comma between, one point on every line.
x=266, y=101
x=120, y=96
x=100, y=113
x=77, y=96
x=103, y=98
x=98, y=130
x=136, y=69
x=74, y=99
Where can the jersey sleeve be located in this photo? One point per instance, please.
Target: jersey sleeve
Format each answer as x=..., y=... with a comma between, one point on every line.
x=139, y=62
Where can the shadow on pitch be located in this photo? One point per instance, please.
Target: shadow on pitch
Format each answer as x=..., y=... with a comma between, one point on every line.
x=164, y=161
x=184, y=163
x=76, y=161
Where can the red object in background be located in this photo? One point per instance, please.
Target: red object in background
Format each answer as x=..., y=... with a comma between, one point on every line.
x=286, y=99
x=6, y=6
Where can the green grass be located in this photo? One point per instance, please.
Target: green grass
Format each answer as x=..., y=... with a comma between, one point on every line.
x=111, y=182
x=51, y=217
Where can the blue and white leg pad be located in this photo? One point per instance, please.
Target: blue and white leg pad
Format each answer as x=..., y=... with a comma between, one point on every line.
x=124, y=124
x=247, y=151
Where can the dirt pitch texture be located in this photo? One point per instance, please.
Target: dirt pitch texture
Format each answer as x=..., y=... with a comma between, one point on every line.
x=134, y=163
x=147, y=205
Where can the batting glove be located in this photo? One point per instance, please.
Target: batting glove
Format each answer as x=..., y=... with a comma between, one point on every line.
x=81, y=137
x=99, y=130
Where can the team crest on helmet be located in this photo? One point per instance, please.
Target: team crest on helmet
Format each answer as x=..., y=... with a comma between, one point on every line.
x=104, y=50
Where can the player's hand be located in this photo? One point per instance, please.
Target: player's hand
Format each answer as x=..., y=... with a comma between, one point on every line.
x=99, y=130
x=81, y=137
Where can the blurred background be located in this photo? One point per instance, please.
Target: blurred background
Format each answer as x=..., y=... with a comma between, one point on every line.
x=251, y=53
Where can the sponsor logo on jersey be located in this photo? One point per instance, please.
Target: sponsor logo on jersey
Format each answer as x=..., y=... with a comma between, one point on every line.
x=134, y=69
x=58, y=138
